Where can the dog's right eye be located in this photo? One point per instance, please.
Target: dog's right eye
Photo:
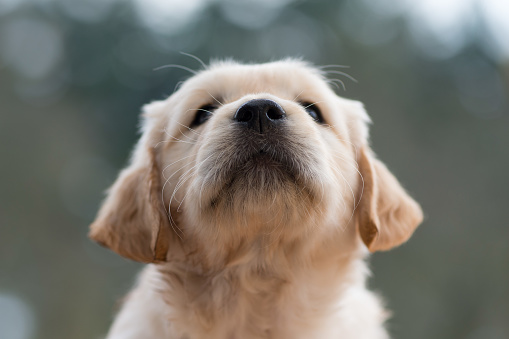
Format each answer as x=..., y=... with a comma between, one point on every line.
x=203, y=114
x=313, y=111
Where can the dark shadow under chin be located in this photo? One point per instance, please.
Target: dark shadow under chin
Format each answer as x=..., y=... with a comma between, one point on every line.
x=266, y=189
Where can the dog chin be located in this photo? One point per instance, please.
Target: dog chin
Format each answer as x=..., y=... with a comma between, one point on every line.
x=260, y=184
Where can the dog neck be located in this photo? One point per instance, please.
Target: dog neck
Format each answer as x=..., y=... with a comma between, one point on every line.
x=260, y=287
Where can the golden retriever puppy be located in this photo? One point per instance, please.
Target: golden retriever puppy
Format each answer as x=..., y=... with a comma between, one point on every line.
x=254, y=198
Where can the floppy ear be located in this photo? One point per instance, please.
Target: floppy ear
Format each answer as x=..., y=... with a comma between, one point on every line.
x=132, y=220
x=387, y=215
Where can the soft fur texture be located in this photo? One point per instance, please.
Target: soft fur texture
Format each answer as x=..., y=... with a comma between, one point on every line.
x=251, y=235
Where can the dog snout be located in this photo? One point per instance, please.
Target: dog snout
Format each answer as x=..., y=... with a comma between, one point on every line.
x=260, y=115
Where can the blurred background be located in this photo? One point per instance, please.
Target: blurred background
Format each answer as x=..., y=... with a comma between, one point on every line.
x=433, y=74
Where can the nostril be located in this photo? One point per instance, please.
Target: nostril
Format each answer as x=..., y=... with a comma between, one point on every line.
x=274, y=113
x=245, y=116
x=260, y=115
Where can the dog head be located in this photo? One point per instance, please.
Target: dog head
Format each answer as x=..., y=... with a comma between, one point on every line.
x=253, y=153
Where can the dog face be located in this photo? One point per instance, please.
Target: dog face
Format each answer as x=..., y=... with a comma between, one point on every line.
x=253, y=154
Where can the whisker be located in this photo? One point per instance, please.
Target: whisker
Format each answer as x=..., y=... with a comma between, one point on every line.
x=167, y=179
x=345, y=160
x=351, y=191
x=202, y=109
x=342, y=73
x=203, y=183
x=314, y=103
x=195, y=58
x=164, y=169
x=177, y=86
x=177, y=139
x=190, y=129
x=183, y=141
x=335, y=81
x=356, y=203
x=191, y=140
x=170, y=218
x=344, y=140
x=199, y=109
x=185, y=195
x=161, y=142
x=213, y=97
x=183, y=179
x=333, y=66
x=175, y=66
x=356, y=167
x=329, y=81
x=298, y=95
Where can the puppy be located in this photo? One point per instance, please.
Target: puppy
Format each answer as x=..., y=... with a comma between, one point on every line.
x=254, y=198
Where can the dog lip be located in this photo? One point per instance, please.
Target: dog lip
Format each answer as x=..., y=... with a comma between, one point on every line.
x=264, y=154
x=256, y=166
x=262, y=159
x=257, y=162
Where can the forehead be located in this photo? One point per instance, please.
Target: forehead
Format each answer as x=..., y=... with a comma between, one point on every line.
x=228, y=81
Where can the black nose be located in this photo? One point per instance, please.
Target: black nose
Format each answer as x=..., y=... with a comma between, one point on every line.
x=260, y=115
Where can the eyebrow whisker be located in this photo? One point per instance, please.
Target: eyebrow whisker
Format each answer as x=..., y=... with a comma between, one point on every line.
x=178, y=85
x=298, y=95
x=175, y=66
x=195, y=58
x=329, y=81
x=333, y=81
x=343, y=74
x=333, y=66
x=213, y=97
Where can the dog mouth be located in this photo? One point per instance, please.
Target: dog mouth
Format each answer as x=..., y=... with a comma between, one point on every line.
x=280, y=155
x=262, y=170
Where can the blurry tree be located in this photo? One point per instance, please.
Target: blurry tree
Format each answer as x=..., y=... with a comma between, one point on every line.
x=74, y=74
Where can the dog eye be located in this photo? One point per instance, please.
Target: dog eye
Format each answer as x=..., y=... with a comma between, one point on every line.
x=203, y=114
x=313, y=111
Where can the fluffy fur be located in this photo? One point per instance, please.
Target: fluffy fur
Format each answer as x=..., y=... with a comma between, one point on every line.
x=251, y=235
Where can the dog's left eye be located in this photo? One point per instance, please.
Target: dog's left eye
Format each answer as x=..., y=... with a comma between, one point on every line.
x=313, y=111
x=203, y=114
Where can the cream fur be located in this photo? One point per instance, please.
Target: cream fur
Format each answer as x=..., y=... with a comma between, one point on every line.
x=245, y=249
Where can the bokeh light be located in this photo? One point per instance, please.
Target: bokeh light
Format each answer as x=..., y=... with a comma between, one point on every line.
x=17, y=320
